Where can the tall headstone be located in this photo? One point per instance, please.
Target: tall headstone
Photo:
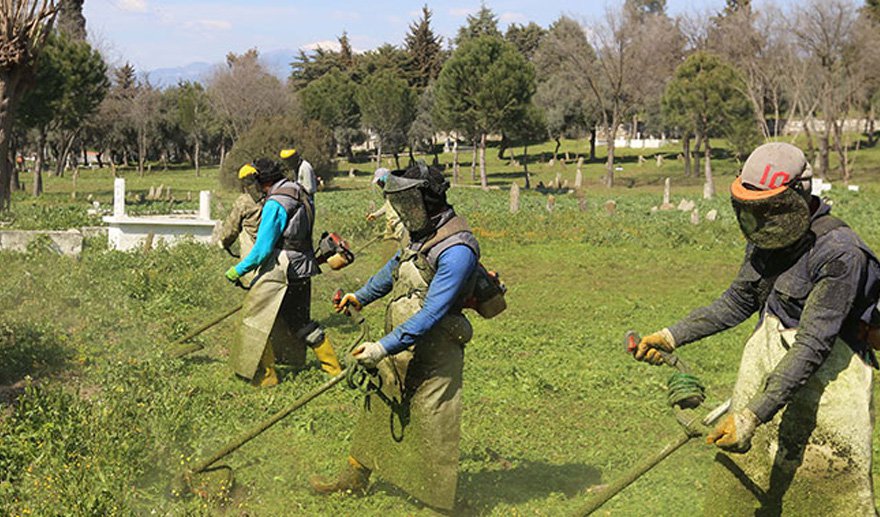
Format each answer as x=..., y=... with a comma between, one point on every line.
x=557, y=183
x=578, y=179
x=514, y=198
x=205, y=204
x=667, y=191
x=695, y=216
x=119, y=197
x=551, y=203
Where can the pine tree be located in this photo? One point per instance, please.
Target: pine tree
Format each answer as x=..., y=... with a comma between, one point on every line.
x=484, y=23
x=346, y=54
x=125, y=77
x=425, y=51
x=71, y=21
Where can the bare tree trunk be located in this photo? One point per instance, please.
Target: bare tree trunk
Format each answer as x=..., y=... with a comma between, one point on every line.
x=197, y=151
x=8, y=83
x=142, y=150
x=66, y=146
x=611, y=132
x=841, y=150
x=474, y=160
x=222, y=152
x=503, y=146
x=379, y=154
x=38, y=166
x=396, y=160
x=455, y=164
x=695, y=152
x=13, y=152
x=634, y=131
x=526, y=166
x=592, y=144
x=556, y=149
x=484, y=180
x=686, y=152
x=823, y=156
x=709, y=187
x=871, y=127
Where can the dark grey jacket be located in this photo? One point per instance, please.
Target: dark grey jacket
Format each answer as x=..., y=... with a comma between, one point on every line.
x=822, y=286
x=296, y=241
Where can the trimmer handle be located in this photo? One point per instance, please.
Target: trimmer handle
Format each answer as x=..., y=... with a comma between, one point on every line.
x=349, y=311
x=631, y=342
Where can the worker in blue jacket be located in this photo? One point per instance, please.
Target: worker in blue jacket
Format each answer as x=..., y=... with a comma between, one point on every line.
x=279, y=299
x=421, y=356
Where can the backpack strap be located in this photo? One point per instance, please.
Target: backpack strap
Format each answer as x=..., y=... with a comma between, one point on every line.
x=825, y=224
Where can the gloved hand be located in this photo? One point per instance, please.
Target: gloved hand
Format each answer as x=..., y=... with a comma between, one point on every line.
x=370, y=353
x=735, y=432
x=232, y=275
x=348, y=299
x=649, y=345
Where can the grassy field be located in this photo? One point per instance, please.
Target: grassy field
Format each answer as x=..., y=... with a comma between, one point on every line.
x=94, y=421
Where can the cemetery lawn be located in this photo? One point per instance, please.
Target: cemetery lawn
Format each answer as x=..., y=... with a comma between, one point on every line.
x=93, y=420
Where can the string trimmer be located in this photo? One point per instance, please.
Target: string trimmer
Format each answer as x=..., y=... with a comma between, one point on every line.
x=686, y=393
x=356, y=376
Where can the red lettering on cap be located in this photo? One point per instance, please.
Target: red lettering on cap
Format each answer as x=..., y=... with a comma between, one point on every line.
x=781, y=176
x=777, y=179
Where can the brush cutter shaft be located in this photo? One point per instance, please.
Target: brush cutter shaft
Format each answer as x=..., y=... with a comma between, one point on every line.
x=258, y=429
x=649, y=463
x=633, y=474
x=196, y=347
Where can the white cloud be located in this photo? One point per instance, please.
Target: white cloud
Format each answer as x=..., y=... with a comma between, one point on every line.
x=513, y=18
x=324, y=44
x=215, y=25
x=132, y=6
x=462, y=11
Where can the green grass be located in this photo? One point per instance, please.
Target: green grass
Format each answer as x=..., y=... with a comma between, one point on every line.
x=94, y=421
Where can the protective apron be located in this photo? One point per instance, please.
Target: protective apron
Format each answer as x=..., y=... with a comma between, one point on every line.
x=409, y=435
x=814, y=457
x=278, y=302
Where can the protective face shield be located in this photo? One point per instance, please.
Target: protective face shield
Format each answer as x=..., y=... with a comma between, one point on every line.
x=771, y=219
x=249, y=181
x=405, y=197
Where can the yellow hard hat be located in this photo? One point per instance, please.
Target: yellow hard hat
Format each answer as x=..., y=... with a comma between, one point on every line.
x=246, y=170
x=287, y=153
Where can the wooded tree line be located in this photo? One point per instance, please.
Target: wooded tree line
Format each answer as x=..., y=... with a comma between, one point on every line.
x=741, y=74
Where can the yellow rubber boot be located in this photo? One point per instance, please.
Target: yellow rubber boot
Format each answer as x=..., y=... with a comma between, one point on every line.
x=354, y=479
x=266, y=376
x=327, y=356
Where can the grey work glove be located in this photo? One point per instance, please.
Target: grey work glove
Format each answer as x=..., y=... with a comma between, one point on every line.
x=735, y=432
x=369, y=354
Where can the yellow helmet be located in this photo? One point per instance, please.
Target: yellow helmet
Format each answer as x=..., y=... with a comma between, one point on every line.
x=246, y=170
x=287, y=153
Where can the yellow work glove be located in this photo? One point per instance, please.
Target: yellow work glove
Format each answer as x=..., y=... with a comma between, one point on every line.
x=370, y=353
x=735, y=432
x=348, y=299
x=648, y=347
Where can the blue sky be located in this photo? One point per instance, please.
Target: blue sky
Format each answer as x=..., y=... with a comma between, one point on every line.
x=170, y=33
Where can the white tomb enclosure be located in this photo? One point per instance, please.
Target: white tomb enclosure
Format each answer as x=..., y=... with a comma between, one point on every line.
x=820, y=186
x=125, y=232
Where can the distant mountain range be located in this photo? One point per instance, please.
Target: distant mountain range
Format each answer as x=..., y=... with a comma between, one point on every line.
x=278, y=62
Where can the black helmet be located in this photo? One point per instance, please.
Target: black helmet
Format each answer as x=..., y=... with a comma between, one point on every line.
x=268, y=171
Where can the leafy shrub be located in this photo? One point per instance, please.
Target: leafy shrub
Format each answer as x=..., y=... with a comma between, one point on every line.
x=267, y=137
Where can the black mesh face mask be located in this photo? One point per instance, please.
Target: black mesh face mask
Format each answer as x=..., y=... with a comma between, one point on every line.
x=406, y=198
x=771, y=219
